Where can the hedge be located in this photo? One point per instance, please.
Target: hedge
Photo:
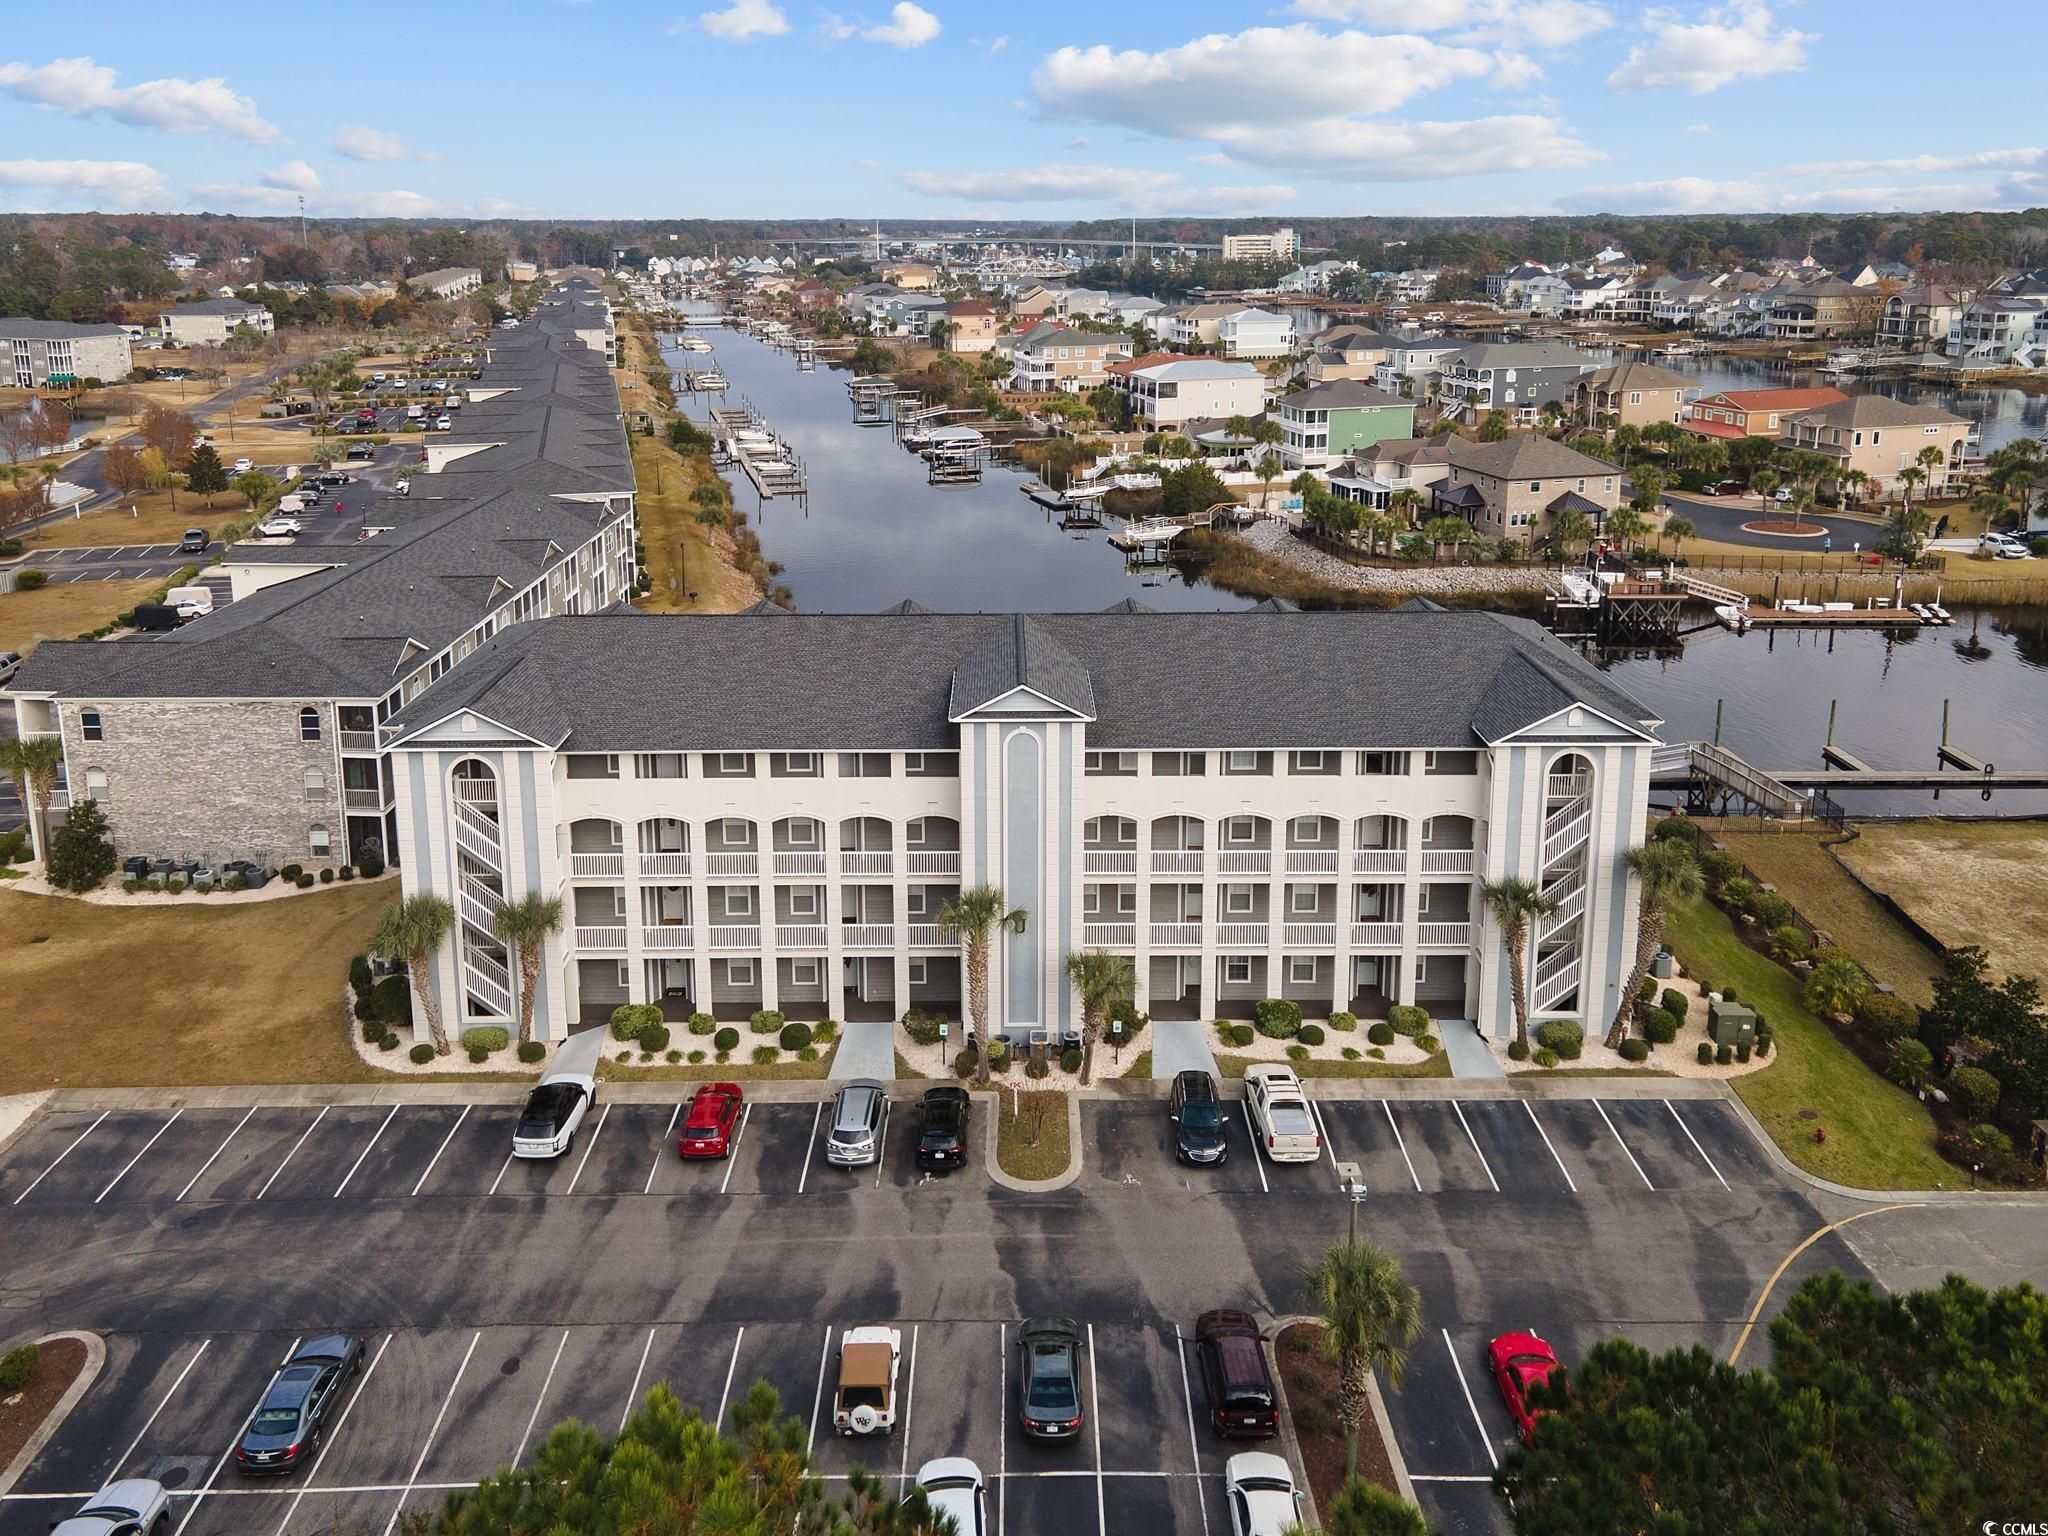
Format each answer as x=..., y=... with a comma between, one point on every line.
x=1407, y=1019
x=360, y=977
x=1518, y=1050
x=1976, y=1090
x=1380, y=1032
x=1311, y=1034
x=652, y=1036
x=1035, y=1068
x=1706, y=1053
x=391, y=999
x=795, y=1036
x=1241, y=1034
x=531, y=1051
x=1659, y=1027
x=1886, y=1017
x=1635, y=1050
x=1674, y=1003
x=1277, y=1018
x=963, y=1063
x=727, y=1039
x=486, y=1038
x=922, y=1027
x=1564, y=1036
x=702, y=1024
x=421, y=1054
x=1070, y=1061
x=765, y=1021
x=17, y=1366
x=1343, y=1023
x=629, y=1019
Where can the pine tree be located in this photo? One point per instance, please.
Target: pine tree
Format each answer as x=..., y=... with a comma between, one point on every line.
x=81, y=851
x=205, y=473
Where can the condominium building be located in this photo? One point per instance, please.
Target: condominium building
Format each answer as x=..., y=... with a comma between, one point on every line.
x=42, y=352
x=1281, y=244
x=771, y=810
x=446, y=282
x=211, y=322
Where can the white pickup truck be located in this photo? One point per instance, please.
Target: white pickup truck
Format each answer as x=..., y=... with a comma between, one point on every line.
x=1286, y=1129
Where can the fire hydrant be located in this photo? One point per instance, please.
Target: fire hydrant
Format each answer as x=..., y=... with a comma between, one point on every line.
x=1820, y=1134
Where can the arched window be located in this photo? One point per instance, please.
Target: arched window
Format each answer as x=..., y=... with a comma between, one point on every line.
x=96, y=784
x=309, y=724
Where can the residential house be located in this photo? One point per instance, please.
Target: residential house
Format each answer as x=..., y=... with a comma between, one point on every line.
x=2001, y=330
x=522, y=272
x=1632, y=393
x=446, y=282
x=1417, y=285
x=1315, y=277
x=814, y=295
x=906, y=314
x=1051, y=357
x=1191, y=325
x=1035, y=300
x=210, y=322
x=36, y=353
x=1414, y=364
x=1515, y=488
x=1919, y=319
x=1374, y=472
x=1346, y=352
x=1131, y=309
x=1822, y=311
x=1736, y=413
x=1686, y=303
x=1169, y=394
x=1509, y=289
x=1326, y=422
x=911, y=276
x=973, y=326
x=1255, y=333
x=1881, y=436
x=1516, y=377
x=1591, y=294
x=1274, y=245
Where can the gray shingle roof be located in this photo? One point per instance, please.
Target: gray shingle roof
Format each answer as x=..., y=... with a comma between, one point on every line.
x=20, y=329
x=1526, y=456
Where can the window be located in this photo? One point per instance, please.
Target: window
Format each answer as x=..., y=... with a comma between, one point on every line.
x=1117, y=764
x=1127, y=899
x=803, y=973
x=1450, y=762
x=735, y=832
x=1241, y=762
x=1183, y=764
x=803, y=901
x=913, y=901
x=625, y=973
x=618, y=901
x=1241, y=829
x=1237, y=968
x=316, y=839
x=1392, y=763
x=739, y=901
x=735, y=765
x=659, y=765
x=798, y=765
x=739, y=973
x=931, y=765
x=803, y=834
x=309, y=724
x=316, y=784
x=1302, y=899
x=1309, y=762
x=863, y=765
x=593, y=765
x=1091, y=901
x=1237, y=900
x=89, y=725
x=913, y=833
x=917, y=973
x=1301, y=969
x=96, y=784
x=1307, y=828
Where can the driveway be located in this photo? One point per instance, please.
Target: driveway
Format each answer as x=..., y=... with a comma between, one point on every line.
x=1720, y=518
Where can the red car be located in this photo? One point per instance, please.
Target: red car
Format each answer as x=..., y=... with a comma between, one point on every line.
x=713, y=1121
x=1521, y=1362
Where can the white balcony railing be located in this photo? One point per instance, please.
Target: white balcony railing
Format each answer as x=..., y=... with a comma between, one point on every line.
x=366, y=741
x=861, y=861
x=1567, y=786
x=667, y=937
x=1443, y=933
x=932, y=861
x=724, y=865
x=665, y=866
x=798, y=862
x=1571, y=906
x=1181, y=935
x=1379, y=861
x=1109, y=861
x=597, y=866
x=867, y=935
x=487, y=966
x=735, y=936
x=479, y=847
x=1449, y=861
x=600, y=938
x=1556, y=977
x=1112, y=935
x=1314, y=934
x=1311, y=861
x=494, y=995
x=470, y=791
x=1176, y=861
x=1237, y=935
x=357, y=799
x=1376, y=935
x=933, y=936
x=799, y=935
x=1245, y=861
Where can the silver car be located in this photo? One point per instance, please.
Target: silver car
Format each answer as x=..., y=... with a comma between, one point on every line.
x=854, y=1139
x=134, y=1506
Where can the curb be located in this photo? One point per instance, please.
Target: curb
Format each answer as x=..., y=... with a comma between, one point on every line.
x=1382, y=1420
x=95, y=1360
x=1039, y=1186
x=1288, y=1442
x=28, y=1106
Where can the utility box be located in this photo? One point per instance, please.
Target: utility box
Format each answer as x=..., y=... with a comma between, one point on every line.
x=1730, y=1023
x=1660, y=965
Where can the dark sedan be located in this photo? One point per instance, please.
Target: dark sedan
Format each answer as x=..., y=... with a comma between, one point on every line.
x=291, y=1420
x=1049, y=1378
x=943, y=1143
x=1196, y=1111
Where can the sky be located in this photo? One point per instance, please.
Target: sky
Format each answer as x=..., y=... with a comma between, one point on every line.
x=1053, y=110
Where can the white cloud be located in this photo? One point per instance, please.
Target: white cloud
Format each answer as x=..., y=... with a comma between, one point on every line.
x=741, y=20
x=1522, y=23
x=908, y=26
x=82, y=88
x=1129, y=189
x=1679, y=194
x=1737, y=41
x=835, y=28
x=120, y=185
x=1350, y=150
x=356, y=142
x=213, y=196
x=293, y=176
x=1927, y=165
x=1701, y=128
x=991, y=45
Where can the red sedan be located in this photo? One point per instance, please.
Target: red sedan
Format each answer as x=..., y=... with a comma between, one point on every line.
x=1522, y=1362
x=713, y=1121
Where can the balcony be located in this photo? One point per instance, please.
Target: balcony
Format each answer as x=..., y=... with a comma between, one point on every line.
x=800, y=863
x=1109, y=861
x=1311, y=861
x=1567, y=786
x=867, y=935
x=1375, y=935
x=1110, y=935
x=1241, y=935
x=1177, y=935
x=799, y=935
x=597, y=866
x=366, y=741
x=1317, y=935
x=1245, y=861
x=1443, y=933
x=660, y=866
x=469, y=791
x=362, y=799
x=1449, y=861
x=735, y=936
x=1176, y=861
x=933, y=936
x=860, y=861
x=668, y=938
x=724, y=865
x=1379, y=861
x=933, y=861
x=600, y=938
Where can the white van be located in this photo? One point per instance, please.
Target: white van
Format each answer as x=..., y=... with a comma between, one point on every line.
x=415, y=413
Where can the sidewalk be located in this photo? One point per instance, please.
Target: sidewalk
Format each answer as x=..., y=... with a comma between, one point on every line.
x=866, y=1050
x=1469, y=1054
x=1180, y=1045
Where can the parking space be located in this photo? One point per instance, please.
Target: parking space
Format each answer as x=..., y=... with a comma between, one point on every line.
x=1128, y=1144
x=779, y=1153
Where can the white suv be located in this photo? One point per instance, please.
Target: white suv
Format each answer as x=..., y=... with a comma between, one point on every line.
x=2005, y=546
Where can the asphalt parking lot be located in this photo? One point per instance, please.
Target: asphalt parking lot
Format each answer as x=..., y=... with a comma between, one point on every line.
x=204, y=1242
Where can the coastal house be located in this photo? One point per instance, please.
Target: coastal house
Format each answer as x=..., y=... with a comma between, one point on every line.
x=1412, y=366
x=1052, y=357
x=1508, y=289
x=973, y=326
x=1516, y=377
x=1734, y=413
x=36, y=353
x=1515, y=488
x=1823, y=311
x=815, y=296
x=1191, y=325
x=1168, y=394
x=1131, y=308
x=1629, y=394
x=1417, y=285
x=1374, y=472
x=1255, y=333
x=1919, y=319
x=1881, y=436
x=1316, y=277
x=1326, y=422
x=2001, y=330
x=1346, y=352
x=911, y=276
x=210, y=322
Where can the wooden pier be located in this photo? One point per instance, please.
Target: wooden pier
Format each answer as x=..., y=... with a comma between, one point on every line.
x=772, y=468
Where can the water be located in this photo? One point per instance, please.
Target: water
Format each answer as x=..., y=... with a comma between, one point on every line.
x=872, y=532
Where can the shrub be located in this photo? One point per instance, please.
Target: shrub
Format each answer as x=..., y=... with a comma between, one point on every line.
x=81, y=851
x=1518, y=1050
x=1407, y=1019
x=1343, y=1023
x=370, y=865
x=1545, y=1056
x=702, y=1024
x=1673, y=1002
x=1836, y=985
x=17, y=1366
x=131, y=885
x=1311, y=1034
x=1987, y=1136
x=1723, y=1055
x=808, y=1053
x=722, y=1057
x=922, y=1027
x=387, y=1041
x=1380, y=1032
x=1909, y=1064
x=963, y=1063
x=766, y=1055
x=1659, y=1028
x=327, y=875
x=1788, y=942
x=1223, y=1030
x=1035, y=1068
x=531, y=1051
x=154, y=886
x=1718, y=868
x=795, y=1036
x=652, y=1036
x=1297, y=1052
x=1070, y=1061
x=1127, y=1015
x=1277, y=1018
x=824, y=1032
x=372, y=1031
x=175, y=886
x=1706, y=1053
x=1763, y=1045
x=672, y=1057
x=1683, y=828
x=765, y=1021
x=1634, y=1050
x=1742, y=1051
x=305, y=882
x=696, y=1056
x=235, y=882
x=1886, y=1017
x=628, y=1019
x=486, y=1038
x=1428, y=1044
x=1564, y=1036
x=1241, y=1035
x=421, y=1054
x=1975, y=1089
x=998, y=1056
x=478, y=1055
x=1647, y=992
x=727, y=1039
x=1738, y=892
x=30, y=580
x=1727, y=994
x=1772, y=910
x=391, y=998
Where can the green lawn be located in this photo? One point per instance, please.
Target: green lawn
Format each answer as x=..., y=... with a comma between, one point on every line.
x=1879, y=1136
x=1438, y=1065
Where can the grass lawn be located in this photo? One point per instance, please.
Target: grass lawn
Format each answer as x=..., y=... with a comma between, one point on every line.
x=152, y=520
x=1807, y=875
x=64, y=610
x=696, y=557
x=106, y=996
x=1966, y=882
x=1031, y=1142
x=1879, y=1136
x=1438, y=1065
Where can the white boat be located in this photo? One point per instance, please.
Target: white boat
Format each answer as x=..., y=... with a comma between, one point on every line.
x=1153, y=530
x=1846, y=362
x=693, y=344
x=1733, y=617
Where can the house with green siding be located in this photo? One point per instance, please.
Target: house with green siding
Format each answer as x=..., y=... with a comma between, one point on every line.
x=1321, y=425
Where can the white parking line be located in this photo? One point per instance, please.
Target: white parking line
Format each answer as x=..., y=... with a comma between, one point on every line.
x=1392, y=1122
x=818, y=1396
x=117, y=1178
x=731, y=1366
x=732, y=1155
x=433, y=1430
x=1002, y=1423
x=1459, y=1110
x=589, y=1147
x=1450, y=1477
x=1484, y=1438
x=1258, y=1155
x=810, y=1147
x=352, y=1167
x=212, y=1477
x=291, y=1154
x=1695, y=1143
x=502, y=1170
x=662, y=1151
x=215, y=1154
x=909, y=1389
x=1553, y=1151
x=328, y=1442
x=169, y=1392
x=533, y=1418
x=1624, y=1146
x=440, y=1149
x=1095, y=1419
x=633, y=1393
x=1187, y=1394
x=32, y=1183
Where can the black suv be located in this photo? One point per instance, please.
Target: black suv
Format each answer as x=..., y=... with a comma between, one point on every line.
x=1198, y=1119
x=943, y=1144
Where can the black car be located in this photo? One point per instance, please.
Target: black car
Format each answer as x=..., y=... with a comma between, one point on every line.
x=361, y=451
x=1196, y=1111
x=194, y=542
x=1049, y=1378
x=1236, y=1375
x=943, y=1144
x=288, y=1424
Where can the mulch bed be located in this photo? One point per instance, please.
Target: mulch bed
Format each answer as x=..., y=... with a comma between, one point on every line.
x=22, y=1414
x=1785, y=527
x=1311, y=1384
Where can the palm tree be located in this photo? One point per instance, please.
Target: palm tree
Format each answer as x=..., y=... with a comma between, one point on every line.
x=1765, y=481
x=1105, y=982
x=1678, y=530
x=31, y=761
x=1667, y=873
x=410, y=932
x=1909, y=477
x=1627, y=525
x=1269, y=466
x=1515, y=904
x=1569, y=528
x=1853, y=482
x=1404, y=504
x=1370, y=1316
x=1930, y=458
x=975, y=914
x=523, y=927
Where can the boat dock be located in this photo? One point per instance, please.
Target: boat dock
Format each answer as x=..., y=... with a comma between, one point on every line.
x=764, y=458
x=874, y=400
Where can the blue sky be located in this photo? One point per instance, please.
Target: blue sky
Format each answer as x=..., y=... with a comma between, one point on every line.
x=942, y=108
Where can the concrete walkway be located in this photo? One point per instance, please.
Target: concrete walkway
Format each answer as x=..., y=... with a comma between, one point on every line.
x=1469, y=1054
x=866, y=1050
x=1181, y=1045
